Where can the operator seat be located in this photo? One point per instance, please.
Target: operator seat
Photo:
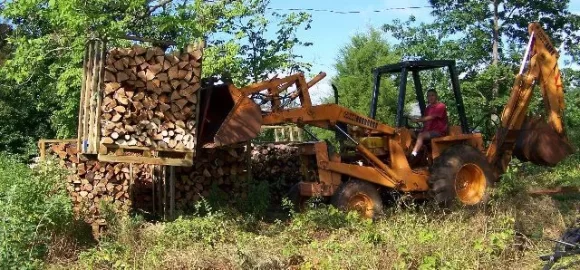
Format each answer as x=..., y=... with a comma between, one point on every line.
x=426, y=149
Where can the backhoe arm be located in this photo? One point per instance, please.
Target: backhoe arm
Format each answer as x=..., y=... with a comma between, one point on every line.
x=531, y=139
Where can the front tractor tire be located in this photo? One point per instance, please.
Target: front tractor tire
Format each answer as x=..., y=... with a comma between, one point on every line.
x=461, y=176
x=361, y=196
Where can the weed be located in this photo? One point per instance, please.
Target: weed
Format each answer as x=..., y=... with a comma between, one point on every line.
x=511, y=232
x=325, y=218
x=258, y=200
x=208, y=230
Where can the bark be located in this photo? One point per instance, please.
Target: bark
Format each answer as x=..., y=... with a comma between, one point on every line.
x=91, y=182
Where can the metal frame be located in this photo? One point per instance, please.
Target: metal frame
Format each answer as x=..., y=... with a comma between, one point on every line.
x=328, y=116
x=415, y=67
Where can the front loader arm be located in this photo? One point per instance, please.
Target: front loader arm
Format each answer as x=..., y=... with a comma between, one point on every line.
x=245, y=118
x=326, y=116
x=532, y=139
x=323, y=116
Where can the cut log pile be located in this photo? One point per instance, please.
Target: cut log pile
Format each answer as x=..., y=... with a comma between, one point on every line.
x=142, y=189
x=279, y=165
x=215, y=170
x=150, y=98
x=221, y=172
x=93, y=181
x=99, y=181
x=66, y=153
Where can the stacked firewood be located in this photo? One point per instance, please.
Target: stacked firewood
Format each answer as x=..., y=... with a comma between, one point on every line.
x=92, y=181
x=100, y=181
x=66, y=153
x=143, y=185
x=221, y=172
x=150, y=98
x=216, y=171
x=279, y=165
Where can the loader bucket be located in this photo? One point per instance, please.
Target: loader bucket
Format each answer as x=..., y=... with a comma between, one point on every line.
x=227, y=117
x=540, y=144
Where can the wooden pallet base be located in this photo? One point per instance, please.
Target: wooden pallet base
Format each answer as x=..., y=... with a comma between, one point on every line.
x=144, y=155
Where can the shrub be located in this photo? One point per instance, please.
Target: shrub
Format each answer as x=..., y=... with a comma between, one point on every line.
x=34, y=206
x=116, y=243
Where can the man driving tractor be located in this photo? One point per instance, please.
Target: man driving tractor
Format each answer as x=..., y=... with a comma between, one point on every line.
x=435, y=119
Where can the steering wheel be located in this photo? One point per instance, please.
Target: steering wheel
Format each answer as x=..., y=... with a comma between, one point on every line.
x=409, y=124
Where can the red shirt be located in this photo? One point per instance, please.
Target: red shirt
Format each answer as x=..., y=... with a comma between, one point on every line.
x=439, y=123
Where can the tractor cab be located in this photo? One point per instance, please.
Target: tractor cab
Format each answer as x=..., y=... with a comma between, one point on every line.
x=455, y=133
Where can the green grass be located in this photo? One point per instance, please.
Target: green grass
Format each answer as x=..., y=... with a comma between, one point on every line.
x=566, y=173
x=510, y=233
x=521, y=177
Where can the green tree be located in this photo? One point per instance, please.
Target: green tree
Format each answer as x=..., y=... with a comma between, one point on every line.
x=479, y=22
x=262, y=55
x=425, y=42
x=42, y=74
x=354, y=78
x=487, y=39
x=250, y=43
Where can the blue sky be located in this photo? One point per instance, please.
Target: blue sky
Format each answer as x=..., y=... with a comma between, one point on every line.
x=330, y=31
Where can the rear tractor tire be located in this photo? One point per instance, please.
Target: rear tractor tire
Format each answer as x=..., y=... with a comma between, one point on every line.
x=361, y=196
x=461, y=176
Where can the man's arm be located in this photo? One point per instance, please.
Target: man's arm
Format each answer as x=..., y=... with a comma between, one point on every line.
x=437, y=112
x=424, y=118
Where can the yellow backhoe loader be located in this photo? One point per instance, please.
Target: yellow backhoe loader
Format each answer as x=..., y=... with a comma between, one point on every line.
x=456, y=169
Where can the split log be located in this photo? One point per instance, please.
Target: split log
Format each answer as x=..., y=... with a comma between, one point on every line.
x=279, y=165
x=145, y=84
x=91, y=182
x=222, y=170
